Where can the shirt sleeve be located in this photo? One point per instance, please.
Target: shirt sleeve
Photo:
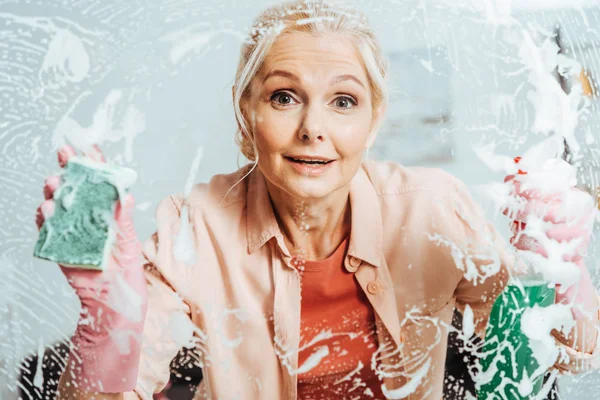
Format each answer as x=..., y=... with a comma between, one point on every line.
x=480, y=255
x=163, y=335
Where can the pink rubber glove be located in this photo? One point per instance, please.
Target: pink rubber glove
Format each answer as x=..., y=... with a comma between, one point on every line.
x=107, y=341
x=566, y=227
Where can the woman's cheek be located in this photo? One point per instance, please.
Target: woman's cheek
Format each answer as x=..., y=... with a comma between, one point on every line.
x=352, y=140
x=261, y=114
x=265, y=125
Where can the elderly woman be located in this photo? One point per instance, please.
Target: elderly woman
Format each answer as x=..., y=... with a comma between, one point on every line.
x=316, y=275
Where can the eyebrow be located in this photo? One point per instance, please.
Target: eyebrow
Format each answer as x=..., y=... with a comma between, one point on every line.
x=285, y=74
x=333, y=81
x=342, y=78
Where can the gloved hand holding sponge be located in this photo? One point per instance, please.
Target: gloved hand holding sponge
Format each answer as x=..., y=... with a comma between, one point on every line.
x=551, y=222
x=565, y=216
x=86, y=226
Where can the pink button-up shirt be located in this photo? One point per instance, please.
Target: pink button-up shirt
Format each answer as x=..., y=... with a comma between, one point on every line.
x=419, y=246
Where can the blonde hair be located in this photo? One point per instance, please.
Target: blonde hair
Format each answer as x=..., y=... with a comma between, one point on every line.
x=310, y=16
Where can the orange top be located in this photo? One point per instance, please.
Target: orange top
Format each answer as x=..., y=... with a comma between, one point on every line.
x=338, y=339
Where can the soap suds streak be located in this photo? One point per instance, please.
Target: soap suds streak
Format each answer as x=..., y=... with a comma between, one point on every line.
x=47, y=63
x=41, y=81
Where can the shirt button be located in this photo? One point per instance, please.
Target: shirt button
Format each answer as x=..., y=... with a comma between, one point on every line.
x=353, y=264
x=374, y=287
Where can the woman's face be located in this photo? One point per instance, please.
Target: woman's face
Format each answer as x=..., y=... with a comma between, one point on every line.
x=313, y=116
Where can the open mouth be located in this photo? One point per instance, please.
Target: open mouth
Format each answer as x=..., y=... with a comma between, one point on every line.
x=309, y=162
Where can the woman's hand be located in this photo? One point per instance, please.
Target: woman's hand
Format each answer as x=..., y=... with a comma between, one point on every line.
x=568, y=217
x=107, y=341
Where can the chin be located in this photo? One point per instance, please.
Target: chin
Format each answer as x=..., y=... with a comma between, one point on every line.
x=310, y=188
x=303, y=186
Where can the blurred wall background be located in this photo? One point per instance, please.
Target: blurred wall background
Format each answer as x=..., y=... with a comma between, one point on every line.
x=172, y=63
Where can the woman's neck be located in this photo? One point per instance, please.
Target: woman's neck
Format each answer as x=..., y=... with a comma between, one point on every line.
x=312, y=228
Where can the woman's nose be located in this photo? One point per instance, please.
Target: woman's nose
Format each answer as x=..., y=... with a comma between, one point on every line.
x=312, y=125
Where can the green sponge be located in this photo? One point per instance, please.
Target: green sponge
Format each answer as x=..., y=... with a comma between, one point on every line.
x=81, y=232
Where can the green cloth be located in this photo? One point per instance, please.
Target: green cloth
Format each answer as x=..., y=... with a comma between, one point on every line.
x=506, y=352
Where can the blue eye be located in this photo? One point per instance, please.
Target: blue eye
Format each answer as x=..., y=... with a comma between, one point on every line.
x=344, y=102
x=282, y=98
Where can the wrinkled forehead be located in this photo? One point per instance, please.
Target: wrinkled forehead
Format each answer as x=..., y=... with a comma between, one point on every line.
x=311, y=55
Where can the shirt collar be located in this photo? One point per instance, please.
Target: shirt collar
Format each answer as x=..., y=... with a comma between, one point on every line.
x=365, y=231
x=261, y=225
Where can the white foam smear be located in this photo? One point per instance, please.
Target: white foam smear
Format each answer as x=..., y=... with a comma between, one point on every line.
x=225, y=318
x=485, y=377
x=286, y=353
x=313, y=360
x=555, y=111
x=411, y=386
x=189, y=183
x=66, y=60
x=83, y=138
x=553, y=177
x=525, y=383
x=103, y=128
x=553, y=269
x=537, y=324
x=556, y=117
x=496, y=162
x=134, y=122
x=66, y=57
x=545, y=169
x=468, y=323
x=124, y=299
x=525, y=386
x=415, y=363
x=183, y=246
x=184, y=249
x=467, y=260
x=181, y=329
x=195, y=39
x=350, y=374
x=187, y=40
x=548, y=385
x=500, y=195
x=38, y=379
x=122, y=338
x=469, y=396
